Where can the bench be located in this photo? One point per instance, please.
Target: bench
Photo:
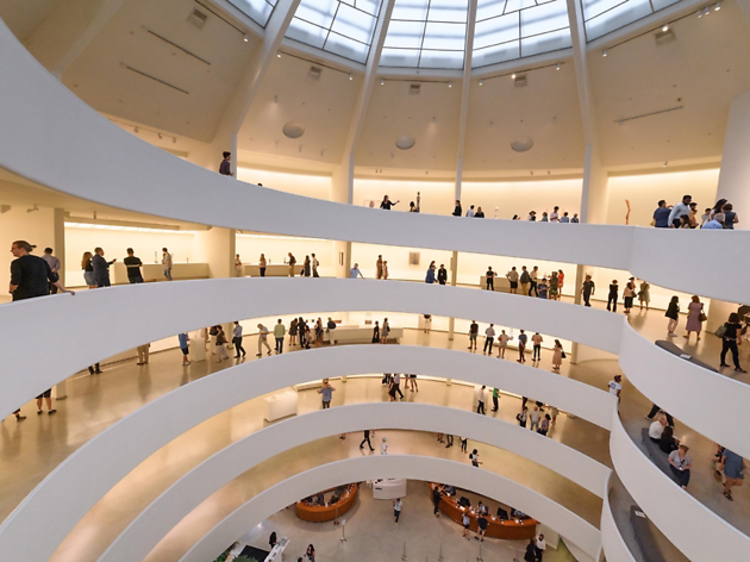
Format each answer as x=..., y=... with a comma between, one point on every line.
x=358, y=335
x=644, y=536
x=657, y=456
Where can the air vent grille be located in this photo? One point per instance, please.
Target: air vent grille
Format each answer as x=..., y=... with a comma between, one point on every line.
x=315, y=72
x=414, y=89
x=198, y=18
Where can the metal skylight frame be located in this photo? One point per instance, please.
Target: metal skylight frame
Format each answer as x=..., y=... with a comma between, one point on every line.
x=341, y=27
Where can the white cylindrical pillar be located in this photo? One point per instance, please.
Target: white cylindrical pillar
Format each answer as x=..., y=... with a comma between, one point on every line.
x=734, y=177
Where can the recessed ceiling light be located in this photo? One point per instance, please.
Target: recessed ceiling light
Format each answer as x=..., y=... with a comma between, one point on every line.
x=245, y=38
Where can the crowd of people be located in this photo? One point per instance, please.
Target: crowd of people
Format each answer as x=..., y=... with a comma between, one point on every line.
x=684, y=214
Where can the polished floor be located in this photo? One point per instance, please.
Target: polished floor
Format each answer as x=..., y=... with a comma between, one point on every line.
x=31, y=449
x=372, y=536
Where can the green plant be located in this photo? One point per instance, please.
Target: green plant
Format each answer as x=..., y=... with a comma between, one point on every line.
x=245, y=559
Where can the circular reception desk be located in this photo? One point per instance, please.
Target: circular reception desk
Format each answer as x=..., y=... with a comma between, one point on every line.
x=509, y=529
x=317, y=512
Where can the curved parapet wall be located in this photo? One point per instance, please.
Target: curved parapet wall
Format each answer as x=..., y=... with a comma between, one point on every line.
x=89, y=473
x=685, y=521
x=157, y=309
x=197, y=485
x=105, y=164
x=464, y=476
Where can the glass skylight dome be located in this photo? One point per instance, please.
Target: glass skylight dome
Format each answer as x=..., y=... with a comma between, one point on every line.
x=432, y=34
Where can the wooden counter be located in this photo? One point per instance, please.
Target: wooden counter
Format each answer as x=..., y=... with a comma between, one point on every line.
x=510, y=529
x=321, y=513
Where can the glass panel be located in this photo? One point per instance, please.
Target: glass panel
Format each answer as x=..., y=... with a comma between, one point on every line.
x=548, y=17
x=354, y=24
x=442, y=59
x=604, y=16
x=307, y=33
x=348, y=48
x=404, y=34
x=546, y=43
x=399, y=57
x=494, y=55
x=410, y=10
x=258, y=10
x=447, y=36
x=448, y=11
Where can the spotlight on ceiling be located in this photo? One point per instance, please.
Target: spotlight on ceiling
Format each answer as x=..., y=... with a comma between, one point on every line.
x=717, y=7
x=245, y=38
x=278, y=54
x=382, y=82
x=558, y=66
x=450, y=84
x=665, y=164
x=706, y=11
x=351, y=77
x=604, y=53
x=481, y=82
x=699, y=14
x=665, y=28
x=513, y=76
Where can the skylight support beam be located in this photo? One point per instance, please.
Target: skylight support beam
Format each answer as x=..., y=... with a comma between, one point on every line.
x=465, y=92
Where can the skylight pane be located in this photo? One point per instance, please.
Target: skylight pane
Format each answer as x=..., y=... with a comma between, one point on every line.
x=617, y=17
x=499, y=30
x=258, y=10
x=446, y=36
x=487, y=9
x=442, y=59
x=496, y=54
x=347, y=48
x=593, y=8
x=545, y=43
x=518, y=5
x=545, y=18
x=408, y=58
x=354, y=24
x=404, y=34
x=342, y=27
x=448, y=11
x=411, y=10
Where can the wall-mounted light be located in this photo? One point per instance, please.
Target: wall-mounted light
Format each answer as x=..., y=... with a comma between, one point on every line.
x=160, y=136
x=351, y=77
x=481, y=82
x=604, y=53
x=513, y=76
x=382, y=82
x=450, y=84
x=717, y=6
x=34, y=208
x=665, y=28
x=278, y=54
x=245, y=38
x=699, y=14
x=706, y=11
x=558, y=66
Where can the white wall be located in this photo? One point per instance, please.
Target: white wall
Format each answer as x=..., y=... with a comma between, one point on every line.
x=437, y=196
x=644, y=192
x=520, y=197
x=276, y=248
x=36, y=228
x=318, y=186
x=114, y=241
x=735, y=167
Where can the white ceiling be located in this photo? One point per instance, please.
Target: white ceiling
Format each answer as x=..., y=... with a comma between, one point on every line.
x=705, y=67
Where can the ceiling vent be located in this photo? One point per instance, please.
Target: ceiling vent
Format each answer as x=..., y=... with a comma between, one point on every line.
x=663, y=37
x=414, y=89
x=520, y=80
x=198, y=18
x=315, y=72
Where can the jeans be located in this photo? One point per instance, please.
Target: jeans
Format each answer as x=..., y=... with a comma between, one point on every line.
x=280, y=345
x=238, y=347
x=586, y=299
x=488, y=344
x=490, y=284
x=480, y=408
x=262, y=271
x=448, y=440
x=537, y=352
x=612, y=301
x=168, y=274
x=326, y=404
x=683, y=476
x=730, y=345
x=532, y=287
x=366, y=440
x=397, y=388
x=495, y=404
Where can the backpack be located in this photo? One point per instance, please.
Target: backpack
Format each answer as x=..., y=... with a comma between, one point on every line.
x=525, y=277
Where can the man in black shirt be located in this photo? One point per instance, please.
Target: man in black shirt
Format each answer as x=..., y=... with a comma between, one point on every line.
x=442, y=275
x=225, y=168
x=30, y=276
x=134, y=267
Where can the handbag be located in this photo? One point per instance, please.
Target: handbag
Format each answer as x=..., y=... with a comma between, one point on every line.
x=563, y=355
x=721, y=331
x=702, y=317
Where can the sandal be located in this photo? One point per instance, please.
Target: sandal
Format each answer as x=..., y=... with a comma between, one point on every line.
x=729, y=497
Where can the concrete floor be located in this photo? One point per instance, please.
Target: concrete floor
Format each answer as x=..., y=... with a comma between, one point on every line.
x=30, y=450
x=372, y=536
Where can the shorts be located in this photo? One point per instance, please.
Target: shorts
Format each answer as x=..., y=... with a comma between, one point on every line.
x=185, y=350
x=472, y=337
x=46, y=394
x=514, y=284
x=412, y=376
x=466, y=526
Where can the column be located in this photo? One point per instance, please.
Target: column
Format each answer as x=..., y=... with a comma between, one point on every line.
x=216, y=247
x=734, y=177
x=342, y=191
x=58, y=232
